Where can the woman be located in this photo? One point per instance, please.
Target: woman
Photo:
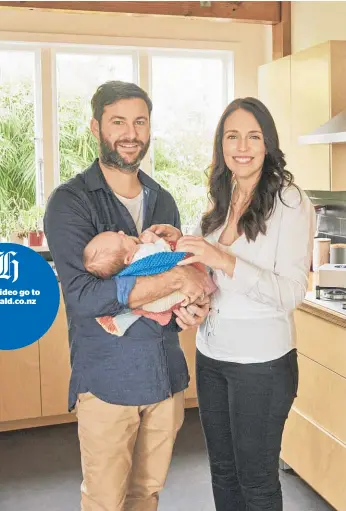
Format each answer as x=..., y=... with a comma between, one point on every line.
x=257, y=237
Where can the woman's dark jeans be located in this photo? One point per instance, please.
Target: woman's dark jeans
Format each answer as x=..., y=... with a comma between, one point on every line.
x=243, y=408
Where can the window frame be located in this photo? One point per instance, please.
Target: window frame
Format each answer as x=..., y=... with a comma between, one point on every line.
x=37, y=95
x=46, y=47
x=227, y=59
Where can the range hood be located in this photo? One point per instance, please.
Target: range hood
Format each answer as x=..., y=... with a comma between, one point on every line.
x=333, y=131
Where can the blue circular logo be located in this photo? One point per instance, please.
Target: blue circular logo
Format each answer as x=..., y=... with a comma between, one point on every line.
x=29, y=296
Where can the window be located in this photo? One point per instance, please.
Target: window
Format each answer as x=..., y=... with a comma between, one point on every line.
x=17, y=127
x=78, y=76
x=189, y=97
x=45, y=93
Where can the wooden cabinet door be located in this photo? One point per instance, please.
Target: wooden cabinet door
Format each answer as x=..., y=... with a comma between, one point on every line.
x=325, y=342
x=318, y=457
x=274, y=90
x=310, y=108
x=338, y=104
x=188, y=344
x=20, y=396
x=322, y=397
x=55, y=365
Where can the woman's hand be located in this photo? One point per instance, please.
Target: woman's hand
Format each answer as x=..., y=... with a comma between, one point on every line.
x=166, y=231
x=206, y=253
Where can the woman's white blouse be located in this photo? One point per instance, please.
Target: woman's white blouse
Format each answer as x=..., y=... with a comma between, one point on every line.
x=251, y=319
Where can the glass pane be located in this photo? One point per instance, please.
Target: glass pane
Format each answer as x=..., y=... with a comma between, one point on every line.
x=78, y=77
x=188, y=101
x=17, y=136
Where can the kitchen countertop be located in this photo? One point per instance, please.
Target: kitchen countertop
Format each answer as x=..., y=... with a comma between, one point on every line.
x=326, y=309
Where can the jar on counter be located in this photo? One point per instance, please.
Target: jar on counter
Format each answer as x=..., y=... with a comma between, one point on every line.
x=321, y=252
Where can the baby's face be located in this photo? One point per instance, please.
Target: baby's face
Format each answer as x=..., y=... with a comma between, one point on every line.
x=128, y=243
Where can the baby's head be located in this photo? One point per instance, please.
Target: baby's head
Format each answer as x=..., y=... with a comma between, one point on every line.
x=108, y=253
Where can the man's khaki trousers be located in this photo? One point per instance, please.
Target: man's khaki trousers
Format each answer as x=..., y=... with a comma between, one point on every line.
x=126, y=452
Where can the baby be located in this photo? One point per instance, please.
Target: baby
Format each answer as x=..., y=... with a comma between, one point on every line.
x=109, y=253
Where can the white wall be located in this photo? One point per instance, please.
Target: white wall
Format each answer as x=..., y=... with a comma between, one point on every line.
x=251, y=43
x=316, y=22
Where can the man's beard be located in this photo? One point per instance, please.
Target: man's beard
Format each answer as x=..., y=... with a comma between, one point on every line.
x=111, y=158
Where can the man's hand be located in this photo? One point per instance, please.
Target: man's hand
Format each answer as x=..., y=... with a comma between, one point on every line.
x=193, y=315
x=192, y=283
x=166, y=231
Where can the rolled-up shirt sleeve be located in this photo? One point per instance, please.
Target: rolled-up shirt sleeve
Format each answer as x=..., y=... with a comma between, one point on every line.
x=124, y=287
x=68, y=228
x=285, y=287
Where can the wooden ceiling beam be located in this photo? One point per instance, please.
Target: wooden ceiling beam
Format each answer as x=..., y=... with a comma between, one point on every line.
x=250, y=12
x=282, y=32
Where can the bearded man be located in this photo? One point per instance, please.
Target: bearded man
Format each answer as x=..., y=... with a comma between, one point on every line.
x=128, y=391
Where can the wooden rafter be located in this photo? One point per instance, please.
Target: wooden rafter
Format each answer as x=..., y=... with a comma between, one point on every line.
x=249, y=12
x=282, y=32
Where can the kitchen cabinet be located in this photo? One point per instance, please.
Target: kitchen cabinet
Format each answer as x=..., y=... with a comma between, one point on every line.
x=312, y=83
x=20, y=384
x=274, y=90
x=188, y=344
x=314, y=439
x=310, y=108
x=55, y=365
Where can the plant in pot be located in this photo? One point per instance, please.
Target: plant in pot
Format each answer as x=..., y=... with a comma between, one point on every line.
x=18, y=233
x=30, y=225
x=6, y=223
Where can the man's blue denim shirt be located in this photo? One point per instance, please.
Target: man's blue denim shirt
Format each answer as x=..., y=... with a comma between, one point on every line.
x=147, y=364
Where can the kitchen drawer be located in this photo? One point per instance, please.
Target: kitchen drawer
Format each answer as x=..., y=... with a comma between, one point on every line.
x=187, y=339
x=322, y=341
x=317, y=457
x=322, y=397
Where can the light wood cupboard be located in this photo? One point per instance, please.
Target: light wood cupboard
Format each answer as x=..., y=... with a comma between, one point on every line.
x=55, y=366
x=314, y=440
x=321, y=341
x=317, y=457
x=274, y=90
x=188, y=343
x=311, y=87
x=310, y=108
x=321, y=395
x=20, y=396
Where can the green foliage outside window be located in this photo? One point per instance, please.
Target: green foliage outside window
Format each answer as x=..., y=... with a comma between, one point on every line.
x=175, y=169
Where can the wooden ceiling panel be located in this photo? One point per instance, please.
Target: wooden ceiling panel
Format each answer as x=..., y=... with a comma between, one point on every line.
x=249, y=12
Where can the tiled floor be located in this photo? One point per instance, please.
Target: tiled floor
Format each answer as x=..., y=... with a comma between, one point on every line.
x=40, y=471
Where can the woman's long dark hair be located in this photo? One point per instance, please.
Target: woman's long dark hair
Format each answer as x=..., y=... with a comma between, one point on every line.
x=274, y=176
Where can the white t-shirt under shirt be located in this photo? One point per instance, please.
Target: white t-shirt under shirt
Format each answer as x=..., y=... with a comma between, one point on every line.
x=251, y=319
x=135, y=208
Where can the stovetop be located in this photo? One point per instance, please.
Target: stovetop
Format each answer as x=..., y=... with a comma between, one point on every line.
x=334, y=305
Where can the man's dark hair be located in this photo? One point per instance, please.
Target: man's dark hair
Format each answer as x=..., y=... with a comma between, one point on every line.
x=113, y=91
